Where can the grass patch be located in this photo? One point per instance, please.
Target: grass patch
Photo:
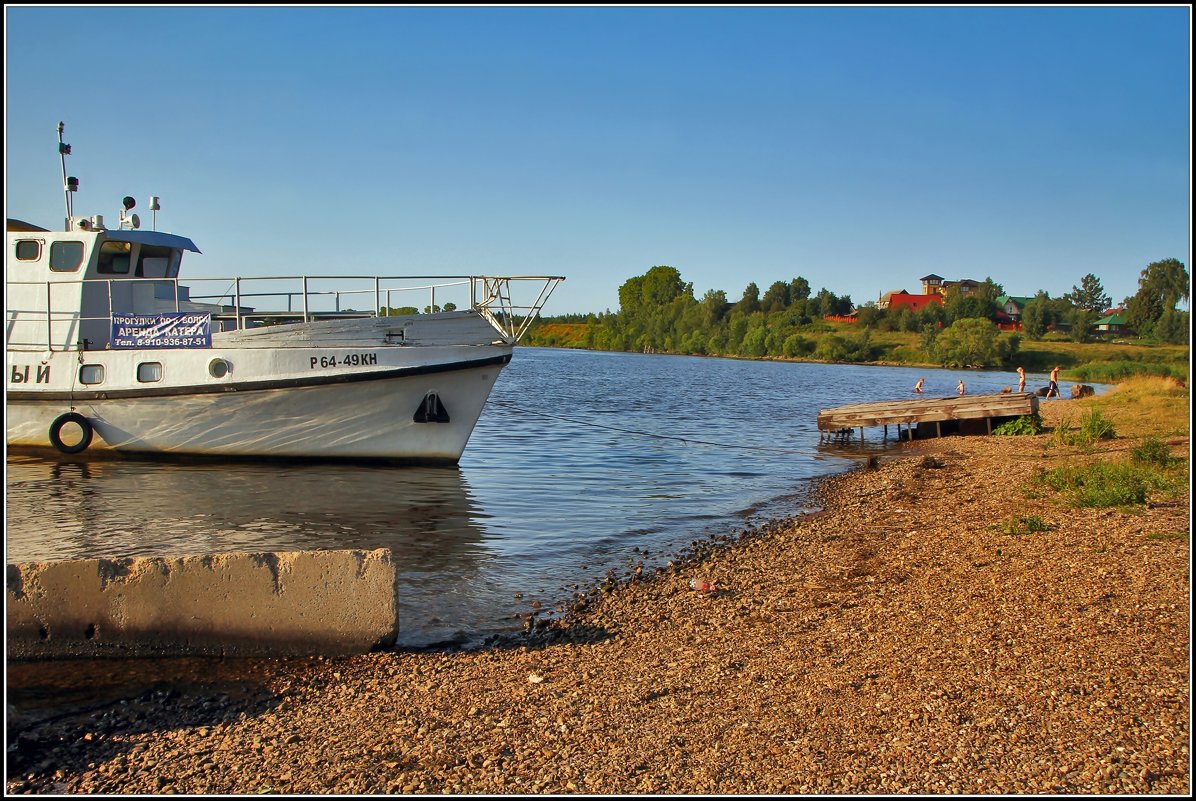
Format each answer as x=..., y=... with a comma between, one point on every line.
x=1087, y=362
x=1103, y=484
x=1153, y=451
x=1115, y=372
x=1167, y=535
x=1026, y=425
x=1148, y=406
x=1093, y=427
x=1017, y=525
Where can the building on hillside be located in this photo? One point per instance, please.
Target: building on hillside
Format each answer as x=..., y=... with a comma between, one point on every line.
x=899, y=299
x=914, y=303
x=932, y=284
x=1113, y=323
x=1013, y=306
x=937, y=285
x=964, y=287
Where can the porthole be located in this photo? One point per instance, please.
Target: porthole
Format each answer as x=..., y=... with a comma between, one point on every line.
x=91, y=374
x=66, y=256
x=149, y=372
x=29, y=250
x=219, y=368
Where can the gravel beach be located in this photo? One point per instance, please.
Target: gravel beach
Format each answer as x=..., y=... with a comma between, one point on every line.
x=901, y=640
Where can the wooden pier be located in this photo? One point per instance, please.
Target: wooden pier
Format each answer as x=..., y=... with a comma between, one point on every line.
x=960, y=414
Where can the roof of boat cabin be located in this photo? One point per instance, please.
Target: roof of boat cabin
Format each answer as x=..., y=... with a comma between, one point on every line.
x=20, y=226
x=150, y=238
x=113, y=234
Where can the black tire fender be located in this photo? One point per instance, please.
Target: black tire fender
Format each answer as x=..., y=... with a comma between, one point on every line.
x=56, y=429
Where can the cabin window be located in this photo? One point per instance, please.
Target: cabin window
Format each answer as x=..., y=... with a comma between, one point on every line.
x=154, y=261
x=29, y=250
x=149, y=372
x=114, y=258
x=66, y=257
x=91, y=374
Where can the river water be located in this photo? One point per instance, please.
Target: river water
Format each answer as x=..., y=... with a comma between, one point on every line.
x=582, y=463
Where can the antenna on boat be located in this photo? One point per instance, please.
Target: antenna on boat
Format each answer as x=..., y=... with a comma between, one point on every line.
x=70, y=184
x=155, y=207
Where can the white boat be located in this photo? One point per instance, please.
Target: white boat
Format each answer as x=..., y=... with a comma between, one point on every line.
x=108, y=353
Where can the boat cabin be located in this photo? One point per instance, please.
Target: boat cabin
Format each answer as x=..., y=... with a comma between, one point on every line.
x=64, y=286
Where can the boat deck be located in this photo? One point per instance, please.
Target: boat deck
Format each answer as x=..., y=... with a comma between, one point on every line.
x=957, y=414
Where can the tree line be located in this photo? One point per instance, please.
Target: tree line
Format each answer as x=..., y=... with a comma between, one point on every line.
x=658, y=312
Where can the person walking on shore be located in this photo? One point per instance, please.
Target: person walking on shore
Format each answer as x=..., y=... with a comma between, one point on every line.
x=1054, y=387
x=918, y=386
x=1021, y=379
x=961, y=388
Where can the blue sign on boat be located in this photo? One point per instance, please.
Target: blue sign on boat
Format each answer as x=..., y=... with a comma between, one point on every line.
x=166, y=330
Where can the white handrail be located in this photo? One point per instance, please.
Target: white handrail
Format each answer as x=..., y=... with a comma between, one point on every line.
x=494, y=303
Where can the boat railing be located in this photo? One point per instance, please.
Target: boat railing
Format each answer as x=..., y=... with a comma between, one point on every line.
x=50, y=315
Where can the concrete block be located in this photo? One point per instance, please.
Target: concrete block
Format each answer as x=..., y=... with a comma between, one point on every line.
x=232, y=604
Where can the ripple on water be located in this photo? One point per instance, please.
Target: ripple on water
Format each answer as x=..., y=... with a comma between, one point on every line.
x=581, y=459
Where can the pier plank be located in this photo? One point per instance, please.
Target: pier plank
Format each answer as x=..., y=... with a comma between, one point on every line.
x=928, y=410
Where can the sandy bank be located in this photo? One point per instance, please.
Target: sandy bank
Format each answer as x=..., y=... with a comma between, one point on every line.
x=898, y=642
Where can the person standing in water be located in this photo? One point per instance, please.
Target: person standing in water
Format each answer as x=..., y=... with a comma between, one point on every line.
x=1054, y=387
x=961, y=388
x=1021, y=379
x=918, y=386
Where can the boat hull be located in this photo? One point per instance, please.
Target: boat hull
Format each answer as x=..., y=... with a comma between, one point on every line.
x=379, y=413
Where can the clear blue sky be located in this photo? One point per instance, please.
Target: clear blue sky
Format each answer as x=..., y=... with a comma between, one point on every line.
x=861, y=148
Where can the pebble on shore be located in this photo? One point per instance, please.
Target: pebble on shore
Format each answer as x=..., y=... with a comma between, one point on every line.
x=899, y=641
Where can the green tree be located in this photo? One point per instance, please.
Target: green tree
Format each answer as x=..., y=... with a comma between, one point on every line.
x=989, y=290
x=714, y=306
x=1160, y=287
x=1173, y=327
x=662, y=284
x=1089, y=295
x=1044, y=312
x=960, y=306
x=799, y=289
x=827, y=303
x=831, y=348
x=869, y=315
x=753, y=342
x=1081, y=320
x=750, y=302
x=932, y=314
x=776, y=297
x=631, y=294
x=930, y=335
x=795, y=346
x=1008, y=346
x=736, y=328
x=969, y=342
x=1036, y=317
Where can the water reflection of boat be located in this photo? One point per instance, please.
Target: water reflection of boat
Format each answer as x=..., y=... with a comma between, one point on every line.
x=107, y=351
x=428, y=518
x=118, y=508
